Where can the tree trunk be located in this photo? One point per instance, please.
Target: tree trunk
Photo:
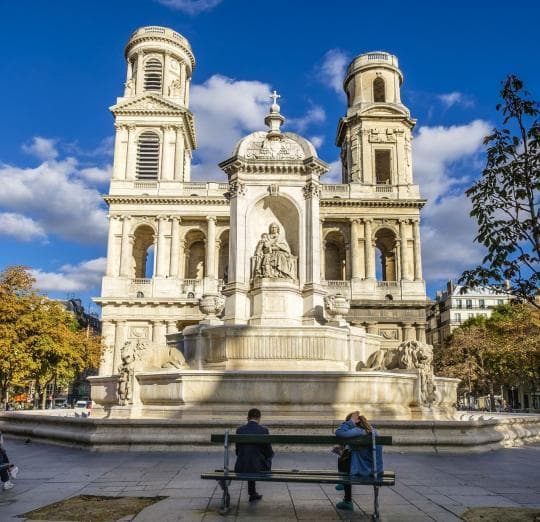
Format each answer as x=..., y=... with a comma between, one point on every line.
x=491, y=397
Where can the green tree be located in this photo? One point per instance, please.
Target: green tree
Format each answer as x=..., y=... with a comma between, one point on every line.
x=505, y=200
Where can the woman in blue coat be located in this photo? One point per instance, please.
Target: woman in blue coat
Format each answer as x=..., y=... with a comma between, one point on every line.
x=361, y=461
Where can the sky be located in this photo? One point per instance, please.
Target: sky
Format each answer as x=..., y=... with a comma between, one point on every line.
x=63, y=67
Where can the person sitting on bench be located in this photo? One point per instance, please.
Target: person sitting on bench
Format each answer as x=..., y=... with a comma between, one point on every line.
x=253, y=458
x=360, y=461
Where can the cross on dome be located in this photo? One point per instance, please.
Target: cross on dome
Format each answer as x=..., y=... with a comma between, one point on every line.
x=275, y=96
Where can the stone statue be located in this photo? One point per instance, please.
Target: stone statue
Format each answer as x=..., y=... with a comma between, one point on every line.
x=337, y=306
x=409, y=355
x=126, y=374
x=130, y=87
x=176, y=359
x=175, y=87
x=273, y=258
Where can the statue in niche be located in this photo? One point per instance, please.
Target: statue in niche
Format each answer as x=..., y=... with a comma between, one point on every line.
x=273, y=258
x=175, y=87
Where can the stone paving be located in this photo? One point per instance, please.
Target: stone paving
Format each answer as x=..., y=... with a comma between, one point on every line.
x=428, y=487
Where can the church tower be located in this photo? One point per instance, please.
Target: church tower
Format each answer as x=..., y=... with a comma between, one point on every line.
x=380, y=249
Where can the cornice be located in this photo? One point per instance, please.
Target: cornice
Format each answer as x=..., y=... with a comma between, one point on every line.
x=141, y=301
x=384, y=203
x=237, y=164
x=166, y=200
x=156, y=38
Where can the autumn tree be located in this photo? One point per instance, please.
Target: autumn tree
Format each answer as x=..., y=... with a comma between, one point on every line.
x=39, y=340
x=506, y=199
x=486, y=353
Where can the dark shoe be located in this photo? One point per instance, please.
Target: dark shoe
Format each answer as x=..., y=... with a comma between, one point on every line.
x=253, y=498
x=345, y=505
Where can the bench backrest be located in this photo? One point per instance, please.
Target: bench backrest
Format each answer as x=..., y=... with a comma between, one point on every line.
x=219, y=438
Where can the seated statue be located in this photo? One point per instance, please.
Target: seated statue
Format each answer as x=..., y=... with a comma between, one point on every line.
x=273, y=258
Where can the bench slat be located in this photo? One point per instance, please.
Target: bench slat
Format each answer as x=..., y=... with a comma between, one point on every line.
x=315, y=472
x=330, y=478
x=300, y=439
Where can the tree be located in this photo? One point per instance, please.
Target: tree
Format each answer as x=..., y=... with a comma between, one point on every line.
x=488, y=352
x=506, y=198
x=39, y=340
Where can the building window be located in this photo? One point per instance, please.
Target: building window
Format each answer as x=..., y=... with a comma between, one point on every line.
x=153, y=73
x=148, y=156
x=459, y=304
x=468, y=303
x=457, y=318
x=382, y=167
x=482, y=303
x=385, y=243
x=379, y=94
x=500, y=302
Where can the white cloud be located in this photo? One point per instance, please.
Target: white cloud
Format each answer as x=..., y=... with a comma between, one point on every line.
x=72, y=278
x=437, y=149
x=441, y=155
x=332, y=69
x=315, y=114
x=455, y=98
x=55, y=198
x=98, y=175
x=42, y=148
x=191, y=7
x=20, y=227
x=317, y=141
x=334, y=174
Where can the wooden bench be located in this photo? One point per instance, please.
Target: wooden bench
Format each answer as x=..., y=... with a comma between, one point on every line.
x=225, y=476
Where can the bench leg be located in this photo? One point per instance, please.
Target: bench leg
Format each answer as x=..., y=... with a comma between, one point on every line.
x=376, y=503
x=225, y=498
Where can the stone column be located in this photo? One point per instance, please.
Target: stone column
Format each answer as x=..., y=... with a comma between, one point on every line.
x=371, y=327
x=126, y=250
x=323, y=251
x=166, y=74
x=158, y=332
x=403, y=252
x=119, y=339
x=355, y=236
x=370, y=253
x=421, y=332
x=139, y=87
x=106, y=366
x=183, y=82
x=179, y=155
x=312, y=192
x=161, y=269
x=186, y=94
x=175, y=242
x=181, y=259
x=171, y=327
x=120, y=151
x=131, y=159
x=112, y=254
x=417, y=252
x=168, y=152
x=210, y=246
x=407, y=332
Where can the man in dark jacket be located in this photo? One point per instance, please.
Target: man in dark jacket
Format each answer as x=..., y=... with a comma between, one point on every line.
x=253, y=458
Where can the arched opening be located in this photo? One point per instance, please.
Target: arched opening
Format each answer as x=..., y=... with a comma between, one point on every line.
x=153, y=74
x=195, y=255
x=385, y=242
x=223, y=258
x=148, y=155
x=383, y=175
x=143, y=252
x=334, y=257
x=379, y=90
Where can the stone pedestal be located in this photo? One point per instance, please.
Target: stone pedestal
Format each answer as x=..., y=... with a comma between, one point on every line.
x=276, y=302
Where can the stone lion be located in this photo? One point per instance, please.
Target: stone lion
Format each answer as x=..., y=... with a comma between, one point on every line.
x=407, y=356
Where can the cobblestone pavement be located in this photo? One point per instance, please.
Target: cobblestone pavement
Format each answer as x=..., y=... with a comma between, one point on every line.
x=428, y=486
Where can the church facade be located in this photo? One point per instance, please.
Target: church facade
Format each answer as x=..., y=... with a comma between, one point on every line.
x=171, y=240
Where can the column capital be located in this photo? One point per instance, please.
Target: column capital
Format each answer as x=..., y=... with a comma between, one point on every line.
x=124, y=218
x=160, y=219
x=131, y=126
x=211, y=218
x=120, y=126
x=355, y=220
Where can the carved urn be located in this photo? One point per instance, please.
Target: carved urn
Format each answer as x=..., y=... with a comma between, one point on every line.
x=211, y=305
x=337, y=306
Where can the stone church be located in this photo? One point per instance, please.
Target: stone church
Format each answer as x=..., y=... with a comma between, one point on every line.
x=172, y=240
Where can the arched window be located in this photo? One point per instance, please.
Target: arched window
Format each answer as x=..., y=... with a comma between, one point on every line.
x=379, y=92
x=143, y=252
x=148, y=156
x=153, y=73
x=195, y=255
x=383, y=174
x=385, y=242
x=334, y=257
x=223, y=260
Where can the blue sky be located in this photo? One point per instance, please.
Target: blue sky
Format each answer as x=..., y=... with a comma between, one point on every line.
x=63, y=67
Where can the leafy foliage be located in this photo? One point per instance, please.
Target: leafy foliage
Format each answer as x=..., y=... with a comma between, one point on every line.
x=39, y=340
x=503, y=349
x=506, y=198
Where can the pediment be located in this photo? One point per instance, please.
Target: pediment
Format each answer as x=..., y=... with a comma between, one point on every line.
x=384, y=111
x=146, y=103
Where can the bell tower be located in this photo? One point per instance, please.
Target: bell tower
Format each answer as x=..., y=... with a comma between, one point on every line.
x=155, y=134
x=375, y=134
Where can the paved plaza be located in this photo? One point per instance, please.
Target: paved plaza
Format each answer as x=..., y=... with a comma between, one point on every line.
x=429, y=486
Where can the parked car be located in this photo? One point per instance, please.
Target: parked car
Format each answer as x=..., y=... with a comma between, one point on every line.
x=83, y=408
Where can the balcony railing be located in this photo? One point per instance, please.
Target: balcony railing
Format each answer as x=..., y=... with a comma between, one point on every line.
x=387, y=284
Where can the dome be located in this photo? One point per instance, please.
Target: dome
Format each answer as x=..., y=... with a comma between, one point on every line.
x=286, y=146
